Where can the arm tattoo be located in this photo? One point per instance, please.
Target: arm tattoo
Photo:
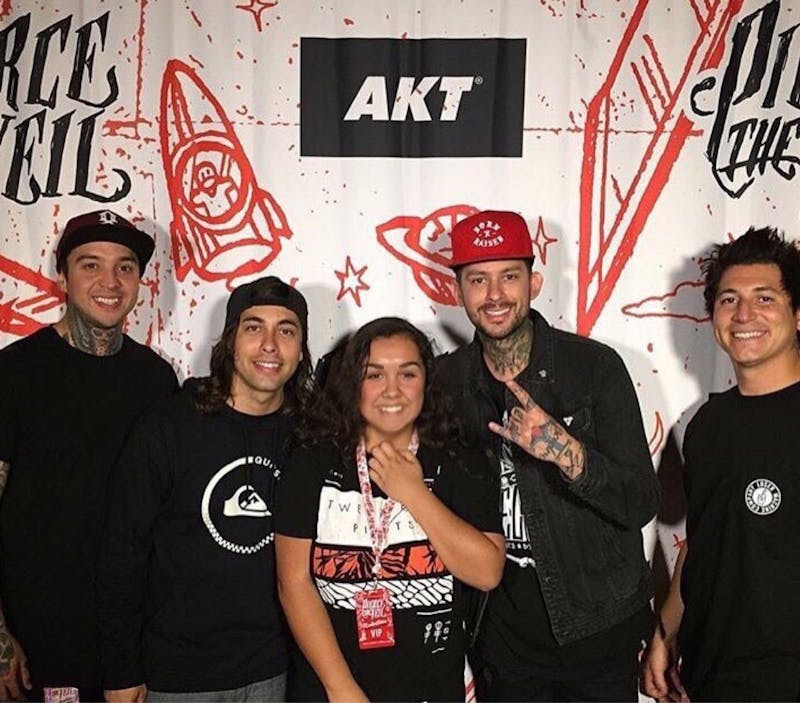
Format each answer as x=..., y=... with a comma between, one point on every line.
x=6, y=643
x=90, y=338
x=6, y=647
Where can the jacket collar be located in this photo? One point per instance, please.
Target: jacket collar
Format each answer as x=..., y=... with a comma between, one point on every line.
x=541, y=366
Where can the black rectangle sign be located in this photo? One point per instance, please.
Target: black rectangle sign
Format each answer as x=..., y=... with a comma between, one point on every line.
x=411, y=97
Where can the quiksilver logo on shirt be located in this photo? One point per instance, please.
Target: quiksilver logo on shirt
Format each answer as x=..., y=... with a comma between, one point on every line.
x=762, y=497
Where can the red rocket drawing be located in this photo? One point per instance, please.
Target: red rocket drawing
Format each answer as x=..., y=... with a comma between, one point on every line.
x=618, y=190
x=224, y=225
x=32, y=308
x=424, y=245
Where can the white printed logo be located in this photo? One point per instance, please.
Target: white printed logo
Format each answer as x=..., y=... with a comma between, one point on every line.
x=107, y=218
x=230, y=496
x=487, y=234
x=372, y=101
x=762, y=497
x=245, y=502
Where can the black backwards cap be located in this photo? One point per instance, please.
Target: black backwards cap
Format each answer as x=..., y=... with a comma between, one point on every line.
x=103, y=226
x=269, y=290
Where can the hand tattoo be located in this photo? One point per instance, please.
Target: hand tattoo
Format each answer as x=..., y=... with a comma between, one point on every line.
x=548, y=441
x=90, y=338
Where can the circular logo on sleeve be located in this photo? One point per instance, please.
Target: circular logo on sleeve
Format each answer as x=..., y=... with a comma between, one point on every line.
x=762, y=496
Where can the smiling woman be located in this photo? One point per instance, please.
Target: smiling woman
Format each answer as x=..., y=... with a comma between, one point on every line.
x=393, y=516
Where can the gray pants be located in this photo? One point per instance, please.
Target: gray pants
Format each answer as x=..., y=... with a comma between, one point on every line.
x=270, y=691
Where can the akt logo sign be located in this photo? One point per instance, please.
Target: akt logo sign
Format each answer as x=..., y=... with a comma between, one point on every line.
x=411, y=97
x=371, y=99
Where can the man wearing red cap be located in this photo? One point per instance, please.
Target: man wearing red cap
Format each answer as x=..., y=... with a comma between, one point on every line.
x=69, y=394
x=558, y=415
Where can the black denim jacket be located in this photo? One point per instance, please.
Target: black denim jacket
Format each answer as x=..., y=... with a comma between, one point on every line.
x=586, y=534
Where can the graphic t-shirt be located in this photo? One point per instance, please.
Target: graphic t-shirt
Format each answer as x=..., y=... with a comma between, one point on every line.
x=189, y=558
x=741, y=578
x=320, y=500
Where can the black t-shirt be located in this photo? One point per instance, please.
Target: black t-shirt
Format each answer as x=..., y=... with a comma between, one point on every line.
x=189, y=557
x=63, y=417
x=741, y=578
x=320, y=500
x=516, y=640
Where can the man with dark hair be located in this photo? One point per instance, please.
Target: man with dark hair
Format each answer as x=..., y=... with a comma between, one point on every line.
x=732, y=610
x=559, y=418
x=68, y=396
x=188, y=601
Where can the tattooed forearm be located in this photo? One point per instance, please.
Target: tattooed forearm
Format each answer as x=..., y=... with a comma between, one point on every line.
x=6, y=647
x=89, y=338
x=509, y=356
x=6, y=643
x=572, y=458
x=3, y=476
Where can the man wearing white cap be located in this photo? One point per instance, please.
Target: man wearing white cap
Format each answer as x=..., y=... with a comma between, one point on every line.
x=559, y=418
x=69, y=395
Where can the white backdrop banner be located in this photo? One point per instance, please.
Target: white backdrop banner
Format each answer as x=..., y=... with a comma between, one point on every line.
x=335, y=145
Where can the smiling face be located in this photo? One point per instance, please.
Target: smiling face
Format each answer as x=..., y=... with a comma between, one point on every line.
x=266, y=352
x=497, y=295
x=101, y=280
x=392, y=391
x=754, y=322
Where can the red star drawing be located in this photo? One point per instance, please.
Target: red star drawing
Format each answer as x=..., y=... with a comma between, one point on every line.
x=256, y=7
x=351, y=281
x=677, y=541
x=541, y=240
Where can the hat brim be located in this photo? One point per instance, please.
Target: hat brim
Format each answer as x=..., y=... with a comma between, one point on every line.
x=492, y=257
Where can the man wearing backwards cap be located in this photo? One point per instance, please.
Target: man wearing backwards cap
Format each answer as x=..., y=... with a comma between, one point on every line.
x=187, y=590
x=69, y=395
x=558, y=415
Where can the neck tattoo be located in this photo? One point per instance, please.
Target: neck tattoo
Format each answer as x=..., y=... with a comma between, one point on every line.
x=83, y=335
x=508, y=356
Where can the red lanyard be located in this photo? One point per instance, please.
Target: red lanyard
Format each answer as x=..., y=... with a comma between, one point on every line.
x=378, y=527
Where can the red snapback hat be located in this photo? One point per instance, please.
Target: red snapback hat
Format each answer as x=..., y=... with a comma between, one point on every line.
x=490, y=235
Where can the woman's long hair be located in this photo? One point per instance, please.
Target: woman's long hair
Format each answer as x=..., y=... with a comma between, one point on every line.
x=213, y=391
x=337, y=417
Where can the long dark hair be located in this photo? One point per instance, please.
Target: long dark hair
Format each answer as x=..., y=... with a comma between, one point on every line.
x=337, y=417
x=213, y=391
